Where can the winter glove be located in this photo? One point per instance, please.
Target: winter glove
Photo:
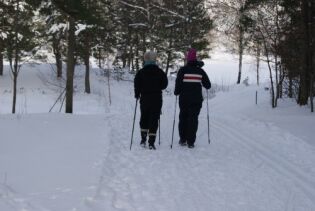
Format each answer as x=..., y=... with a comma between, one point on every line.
x=200, y=64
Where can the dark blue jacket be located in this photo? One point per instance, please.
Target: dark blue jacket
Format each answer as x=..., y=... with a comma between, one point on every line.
x=189, y=82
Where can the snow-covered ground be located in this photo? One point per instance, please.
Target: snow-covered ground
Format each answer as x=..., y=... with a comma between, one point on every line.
x=259, y=158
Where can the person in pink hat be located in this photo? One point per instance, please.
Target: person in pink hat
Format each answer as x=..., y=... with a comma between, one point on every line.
x=189, y=82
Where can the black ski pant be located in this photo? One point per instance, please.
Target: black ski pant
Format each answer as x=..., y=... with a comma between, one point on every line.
x=150, y=108
x=188, y=121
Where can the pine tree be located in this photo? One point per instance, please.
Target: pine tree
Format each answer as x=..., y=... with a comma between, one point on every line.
x=20, y=38
x=54, y=32
x=76, y=11
x=286, y=28
x=183, y=25
x=4, y=10
x=169, y=27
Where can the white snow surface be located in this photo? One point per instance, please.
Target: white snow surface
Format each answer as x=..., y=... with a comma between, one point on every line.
x=259, y=158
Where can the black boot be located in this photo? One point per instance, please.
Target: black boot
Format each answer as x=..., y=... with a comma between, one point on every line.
x=142, y=143
x=143, y=138
x=190, y=144
x=182, y=142
x=152, y=147
x=151, y=142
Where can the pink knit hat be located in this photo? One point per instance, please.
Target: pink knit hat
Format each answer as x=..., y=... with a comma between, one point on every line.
x=191, y=55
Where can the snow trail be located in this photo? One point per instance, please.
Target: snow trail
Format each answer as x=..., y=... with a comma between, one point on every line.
x=56, y=162
x=294, y=175
x=237, y=171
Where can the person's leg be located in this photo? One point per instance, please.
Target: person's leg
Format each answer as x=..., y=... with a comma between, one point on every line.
x=155, y=112
x=144, y=121
x=192, y=128
x=182, y=124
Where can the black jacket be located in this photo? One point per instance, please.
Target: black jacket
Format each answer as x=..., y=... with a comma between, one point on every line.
x=150, y=81
x=189, y=80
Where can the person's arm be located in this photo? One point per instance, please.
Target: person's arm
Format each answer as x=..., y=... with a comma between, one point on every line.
x=137, y=85
x=178, y=82
x=205, y=80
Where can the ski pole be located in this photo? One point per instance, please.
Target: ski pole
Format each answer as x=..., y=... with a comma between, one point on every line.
x=174, y=123
x=208, y=117
x=133, y=125
x=159, y=131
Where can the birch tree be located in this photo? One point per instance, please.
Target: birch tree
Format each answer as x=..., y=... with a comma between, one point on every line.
x=233, y=20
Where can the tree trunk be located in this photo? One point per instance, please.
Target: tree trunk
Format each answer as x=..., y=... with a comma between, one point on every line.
x=1, y=62
x=277, y=81
x=144, y=47
x=15, y=68
x=10, y=60
x=9, y=52
x=1, y=56
x=168, y=61
x=108, y=84
x=240, y=51
x=279, y=78
x=270, y=73
x=15, y=72
x=311, y=22
x=169, y=56
x=130, y=49
x=273, y=104
x=312, y=93
x=137, y=53
x=87, y=63
x=14, y=93
x=87, y=74
x=59, y=65
x=257, y=61
x=281, y=72
x=305, y=73
x=130, y=58
x=100, y=58
x=70, y=66
x=57, y=53
x=169, y=52
x=132, y=65
x=290, y=87
x=124, y=57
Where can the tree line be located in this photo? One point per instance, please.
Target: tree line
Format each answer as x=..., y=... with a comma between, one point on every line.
x=75, y=30
x=278, y=32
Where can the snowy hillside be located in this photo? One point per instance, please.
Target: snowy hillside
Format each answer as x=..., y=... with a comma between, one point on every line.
x=259, y=158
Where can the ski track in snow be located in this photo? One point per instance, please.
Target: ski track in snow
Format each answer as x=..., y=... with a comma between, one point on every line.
x=16, y=201
x=237, y=171
x=285, y=170
x=249, y=165
x=276, y=162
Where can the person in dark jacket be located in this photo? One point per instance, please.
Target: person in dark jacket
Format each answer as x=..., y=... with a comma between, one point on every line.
x=189, y=82
x=149, y=83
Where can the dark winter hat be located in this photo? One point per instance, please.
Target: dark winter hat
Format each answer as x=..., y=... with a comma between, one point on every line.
x=191, y=55
x=150, y=56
